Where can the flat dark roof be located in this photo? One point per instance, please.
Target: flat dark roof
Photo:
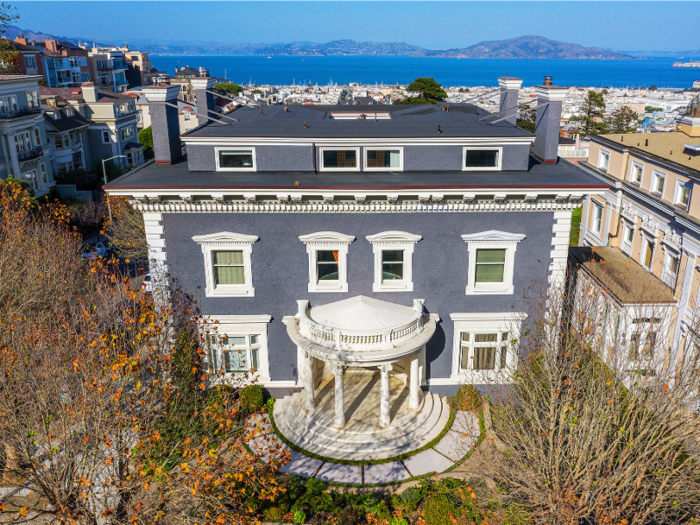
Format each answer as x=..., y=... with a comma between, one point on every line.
x=559, y=176
x=462, y=120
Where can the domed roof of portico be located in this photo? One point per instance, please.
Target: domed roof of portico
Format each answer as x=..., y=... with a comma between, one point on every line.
x=362, y=313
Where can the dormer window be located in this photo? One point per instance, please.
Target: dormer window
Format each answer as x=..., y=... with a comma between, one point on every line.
x=482, y=159
x=335, y=159
x=383, y=159
x=235, y=159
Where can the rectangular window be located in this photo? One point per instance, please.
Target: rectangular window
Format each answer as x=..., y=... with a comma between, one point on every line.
x=658, y=183
x=236, y=160
x=327, y=265
x=629, y=234
x=490, y=266
x=597, y=218
x=482, y=159
x=339, y=159
x=37, y=136
x=58, y=141
x=673, y=264
x=483, y=351
x=44, y=177
x=682, y=197
x=127, y=132
x=228, y=267
x=604, y=160
x=648, y=256
x=33, y=100
x=392, y=265
x=106, y=139
x=235, y=354
x=636, y=173
x=186, y=116
x=23, y=141
x=383, y=159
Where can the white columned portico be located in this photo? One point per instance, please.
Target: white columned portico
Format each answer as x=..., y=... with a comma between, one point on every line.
x=384, y=416
x=414, y=382
x=338, y=371
x=309, y=382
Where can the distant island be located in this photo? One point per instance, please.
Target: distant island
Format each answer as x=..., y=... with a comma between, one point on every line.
x=523, y=47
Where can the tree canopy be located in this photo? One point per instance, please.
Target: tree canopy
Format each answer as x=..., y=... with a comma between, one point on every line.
x=592, y=114
x=430, y=92
x=232, y=89
x=623, y=120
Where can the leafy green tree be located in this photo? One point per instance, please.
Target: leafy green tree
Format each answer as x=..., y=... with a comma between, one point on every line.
x=527, y=120
x=653, y=87
x=146, y=137
x=430, y=91
x=592, y=113
x=623, y=120
x=8, y=55
x=231, y=89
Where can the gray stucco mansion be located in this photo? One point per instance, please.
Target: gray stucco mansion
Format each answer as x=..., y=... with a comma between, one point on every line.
x=367, y=258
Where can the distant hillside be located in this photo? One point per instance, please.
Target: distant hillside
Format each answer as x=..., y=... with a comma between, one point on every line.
x=13, y=31
x=529, y=47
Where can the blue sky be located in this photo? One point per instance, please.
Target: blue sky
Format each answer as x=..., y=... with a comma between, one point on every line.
x=625, y=25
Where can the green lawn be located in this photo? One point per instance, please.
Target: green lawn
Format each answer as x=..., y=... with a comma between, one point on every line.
x=575, y=226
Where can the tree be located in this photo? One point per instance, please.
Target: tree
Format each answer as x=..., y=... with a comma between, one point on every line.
x=430, y=91
x=127, y=231
x=586, y=436
x=622, y=120
x=8, y=54
x=228, y=89
x=592, y=113
x=146, y=137
x=527, y=120
x=107, y=412
x=653, y=87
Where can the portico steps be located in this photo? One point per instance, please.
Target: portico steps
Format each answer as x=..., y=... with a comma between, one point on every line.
x=314, y=432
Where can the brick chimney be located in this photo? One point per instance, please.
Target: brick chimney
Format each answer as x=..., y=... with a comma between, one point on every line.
x=164, y=121
x=52, y=45
x=548, y=120
x=21, y=40
x=89, y=91
x=509, y=97
x=204, y=100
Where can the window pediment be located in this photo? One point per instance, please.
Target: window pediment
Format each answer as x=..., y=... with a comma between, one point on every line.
x=493, y=236
x=225, y=238
x=326, y=238
x=394, y=237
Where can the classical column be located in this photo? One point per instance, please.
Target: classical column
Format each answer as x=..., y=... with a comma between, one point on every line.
x=414, y=382
x=13, y=155
x=338, y=371
x=309, y=382
x=384, y=416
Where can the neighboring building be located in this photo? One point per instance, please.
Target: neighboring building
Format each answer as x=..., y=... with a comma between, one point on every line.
x=187, y=112
x=112, y=119
x=67, y=131
x=63, y=64
x=651, y=215
x=183, y=78
x=696, y=84
x=140, y=68
x=572, y=149
x=28, y=60
x=108, y=68
x=24, y=147
x=387, y=254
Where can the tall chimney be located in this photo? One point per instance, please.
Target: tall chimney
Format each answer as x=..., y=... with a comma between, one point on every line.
x=509, y=97
x=89, y=91
x=204, y=100
x=548, y=120
x=164, y=122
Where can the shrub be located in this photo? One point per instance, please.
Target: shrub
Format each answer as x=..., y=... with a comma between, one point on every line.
x=299, y=517
x=466, y=398
x=438, y=510
x=397, y=521
x=274, y=514
x=251, y=398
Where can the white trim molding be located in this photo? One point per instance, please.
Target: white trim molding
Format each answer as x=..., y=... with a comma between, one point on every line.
x=327, y=241
x=218, y=150
x=486, y=323
x=492, y=240
x=339, y=148
x=499, y=158
x=227, y=241
x=380, y=148
x=393, y=240
x=238, y=325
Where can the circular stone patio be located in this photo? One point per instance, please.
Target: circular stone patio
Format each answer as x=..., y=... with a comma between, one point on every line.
x=445, y=455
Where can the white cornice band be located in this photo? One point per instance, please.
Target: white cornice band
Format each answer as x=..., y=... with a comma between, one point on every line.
x=362, y=141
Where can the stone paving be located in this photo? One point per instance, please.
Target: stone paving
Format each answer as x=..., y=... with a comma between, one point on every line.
x=459, y=440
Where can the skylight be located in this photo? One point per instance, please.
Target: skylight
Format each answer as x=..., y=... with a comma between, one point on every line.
x=360, y=115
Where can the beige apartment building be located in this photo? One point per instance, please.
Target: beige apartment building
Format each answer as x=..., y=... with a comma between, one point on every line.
x=649, y=219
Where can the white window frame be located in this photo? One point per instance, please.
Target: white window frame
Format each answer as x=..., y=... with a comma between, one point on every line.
x=254, y=167
x=237, y=326
x=187, y=117
x=666, y=271
x=646, y=240
x=108, y=134
x=227, y=241
x=680, y=184
x=597, y=227
x=656, y=175
x=601, y=154
x=486, y=323
x=492, y=240
x=380, y=148
x=499, y=165
x=640, y=166
x=323, y=241
x=399, y=241
x=359, y=162
x=627, y=245
x=44, y=175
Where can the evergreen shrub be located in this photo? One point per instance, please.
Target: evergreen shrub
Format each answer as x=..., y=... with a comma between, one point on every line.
x=251, y=398
x=466, y=398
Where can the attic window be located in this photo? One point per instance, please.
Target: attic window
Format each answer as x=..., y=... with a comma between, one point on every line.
x=69, y=112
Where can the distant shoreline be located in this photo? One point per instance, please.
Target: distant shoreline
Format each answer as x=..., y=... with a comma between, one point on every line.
x=375, y=56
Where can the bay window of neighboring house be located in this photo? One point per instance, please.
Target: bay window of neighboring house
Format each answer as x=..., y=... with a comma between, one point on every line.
x=37, y=136
x=644, y=341
x=33, y=100
x=23, y=141
x=8, y=104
